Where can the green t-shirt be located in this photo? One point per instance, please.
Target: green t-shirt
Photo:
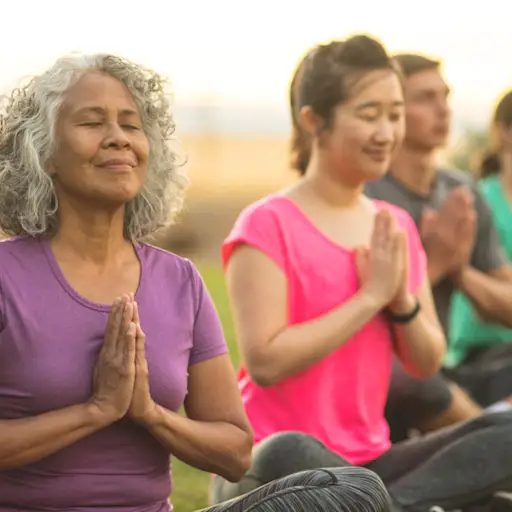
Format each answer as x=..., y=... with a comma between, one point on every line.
x=466, y=329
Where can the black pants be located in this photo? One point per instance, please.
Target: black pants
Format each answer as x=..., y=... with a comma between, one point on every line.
x=339, y=489
x=411, y=401
x=450, y=468
x=486, y=374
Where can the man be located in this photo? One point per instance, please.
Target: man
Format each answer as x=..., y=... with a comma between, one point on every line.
x=455, y=224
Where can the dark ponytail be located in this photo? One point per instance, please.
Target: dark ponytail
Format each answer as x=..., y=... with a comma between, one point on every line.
x=300, y=149
x=502, y=118
x=300, y=142
x=490, y=164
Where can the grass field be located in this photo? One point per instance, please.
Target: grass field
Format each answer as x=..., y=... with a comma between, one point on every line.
x=190, y=486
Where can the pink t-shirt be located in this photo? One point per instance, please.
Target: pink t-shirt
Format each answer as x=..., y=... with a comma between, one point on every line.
x=339, y=400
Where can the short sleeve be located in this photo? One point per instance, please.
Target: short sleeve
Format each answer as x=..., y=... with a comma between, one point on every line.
x=259, y=227
x=416, y=253
x=208, y=336
x=488, y=254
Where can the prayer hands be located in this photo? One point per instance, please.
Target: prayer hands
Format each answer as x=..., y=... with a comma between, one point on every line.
x=448, y=235
x=142, y=407
x=382, y=268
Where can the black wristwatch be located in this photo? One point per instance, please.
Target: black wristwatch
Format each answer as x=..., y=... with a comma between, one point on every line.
x=404, y=318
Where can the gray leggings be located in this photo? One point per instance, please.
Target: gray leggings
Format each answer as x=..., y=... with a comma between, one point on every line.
x=450, y=468
x=341, y=489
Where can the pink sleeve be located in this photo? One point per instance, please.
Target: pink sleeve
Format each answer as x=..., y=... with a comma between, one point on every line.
x=417, y=256
x=257, y=226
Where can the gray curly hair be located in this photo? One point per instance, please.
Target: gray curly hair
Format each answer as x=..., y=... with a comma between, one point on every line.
x=28, y=203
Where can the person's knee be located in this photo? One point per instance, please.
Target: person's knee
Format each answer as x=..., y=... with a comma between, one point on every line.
x=344, y=489
x=354, y=487
x=286, y=443
x=286, y=453
x=365, y=488
x=355, y=476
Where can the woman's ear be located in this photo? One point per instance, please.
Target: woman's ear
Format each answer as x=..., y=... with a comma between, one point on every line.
x=309, y=121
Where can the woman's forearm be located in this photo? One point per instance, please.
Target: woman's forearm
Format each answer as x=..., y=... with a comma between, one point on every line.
x=215, y=447
x=27, y=440
x=298, y=347
x=420, y=344
x=491, y=297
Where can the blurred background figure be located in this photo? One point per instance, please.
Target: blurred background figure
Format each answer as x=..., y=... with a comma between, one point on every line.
x=480, y=349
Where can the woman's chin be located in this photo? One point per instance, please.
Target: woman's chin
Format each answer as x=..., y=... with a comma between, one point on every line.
x=375, y=172
x=123, y=193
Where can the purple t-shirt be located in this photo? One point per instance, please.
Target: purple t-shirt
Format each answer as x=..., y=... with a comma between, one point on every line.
x=50, y=338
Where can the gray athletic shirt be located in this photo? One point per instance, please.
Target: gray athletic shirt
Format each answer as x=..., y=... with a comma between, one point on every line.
x=487, y=253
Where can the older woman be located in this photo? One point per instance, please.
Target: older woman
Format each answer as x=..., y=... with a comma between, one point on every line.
x=103, y=337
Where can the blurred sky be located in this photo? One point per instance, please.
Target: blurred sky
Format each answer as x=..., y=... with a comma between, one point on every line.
x=241, y=52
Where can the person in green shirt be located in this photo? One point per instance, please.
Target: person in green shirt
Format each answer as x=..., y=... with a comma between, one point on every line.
x=472, y=339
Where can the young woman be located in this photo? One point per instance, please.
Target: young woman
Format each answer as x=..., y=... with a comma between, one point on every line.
x=326, y=285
